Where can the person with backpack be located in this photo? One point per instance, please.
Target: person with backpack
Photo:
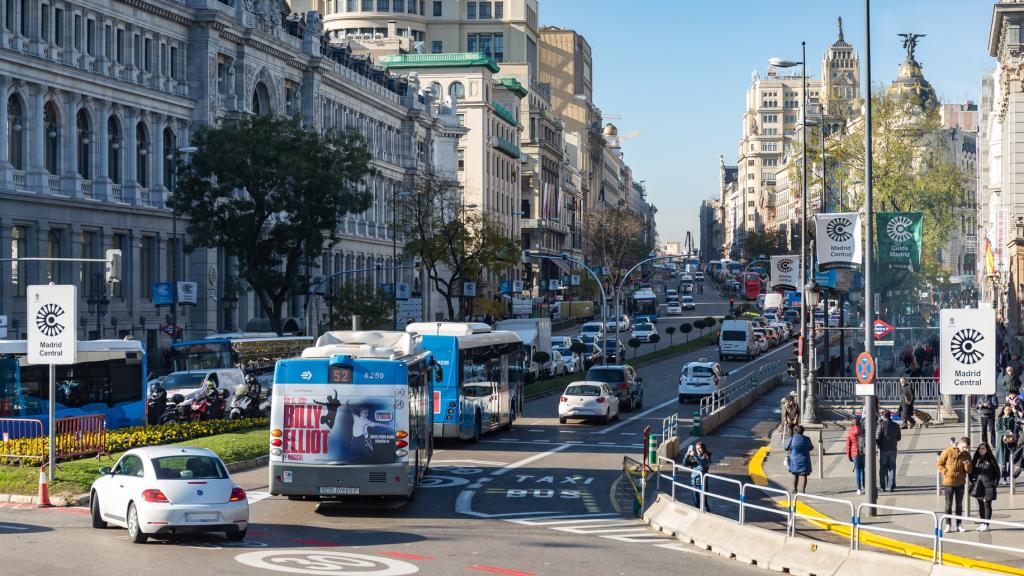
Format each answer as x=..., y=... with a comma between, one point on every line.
x=855, y=451
x=906, y=403
x=1006, y=430
x=888, y=437
x=986, y=405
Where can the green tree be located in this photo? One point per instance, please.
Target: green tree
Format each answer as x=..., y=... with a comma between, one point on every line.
x=765, y=243
x=686, y=328
x=634, y=343
x=270, y=194
x=360, y=299
x=670, y=330
x=455, y=245
x=654, y=339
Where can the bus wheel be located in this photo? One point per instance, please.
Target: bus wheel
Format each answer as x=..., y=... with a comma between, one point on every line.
x=476, y=428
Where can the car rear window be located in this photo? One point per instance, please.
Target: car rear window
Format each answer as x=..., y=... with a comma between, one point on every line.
x=605, y=375
x=582, y=391
x=700, y=371
x=189, y=468
x=734, y=335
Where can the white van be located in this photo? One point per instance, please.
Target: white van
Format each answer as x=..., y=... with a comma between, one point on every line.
x=737, y=340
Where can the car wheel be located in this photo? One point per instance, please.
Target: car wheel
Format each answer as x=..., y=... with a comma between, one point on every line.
x=236, y=535
x=561, y=420
x=607, y=416
x=682, y=400
x=135, y=533
x=94, y=509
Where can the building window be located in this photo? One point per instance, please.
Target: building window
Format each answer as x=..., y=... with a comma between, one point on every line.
x=168, y=159
x=58, y=26
x=412, y=6
x=462, y=159
x=19, y=244
x=108, y=42
x=490, y=44
x=485, y=10
x=120, y=46
x=499, y=10
x=436, y=47
x=382, y=6
x=114, y=140
x=77, y=32
x=367, y=5
x=90, y=37
x=456, y=91
x=750, y=162
x=119, y=242
x=438, y=8
x=174, y=62
x=462, y=119
x=45, y=25
x=147, y=270
x=15, y=132
x=397, y=6
x=84, y=144
x=142, y=154
x=52, y=127
x=53, y=251
x=471, y=12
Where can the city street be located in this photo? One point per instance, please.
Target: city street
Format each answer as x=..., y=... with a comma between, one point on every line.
x=538, y=499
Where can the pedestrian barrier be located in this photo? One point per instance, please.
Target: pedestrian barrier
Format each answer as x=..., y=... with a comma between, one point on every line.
x=818, y=519
x=670, y=427
x=633, y=470
x=82, y=436
x=941, y=537
x=840, y=390
x=859, y=524
x=14, y=429
x=734, y=390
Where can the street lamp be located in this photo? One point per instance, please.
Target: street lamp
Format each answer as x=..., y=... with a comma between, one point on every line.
x=184, y=150
x=98, y=303
x=780, y=63
x=230, y=303
x=810, y=410
x=395, y=195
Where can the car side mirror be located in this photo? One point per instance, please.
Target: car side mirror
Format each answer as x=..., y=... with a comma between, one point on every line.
x=105, y=471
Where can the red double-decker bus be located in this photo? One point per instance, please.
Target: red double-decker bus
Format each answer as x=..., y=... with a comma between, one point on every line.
x=751, y=286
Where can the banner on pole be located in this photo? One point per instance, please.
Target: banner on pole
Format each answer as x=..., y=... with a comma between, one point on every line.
x=785, y=272
x=838, y=240
x=899, y=240
x=967, y=351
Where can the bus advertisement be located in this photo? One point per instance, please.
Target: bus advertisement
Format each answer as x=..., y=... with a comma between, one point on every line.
x=351, y=417
x=751, y=286
x=481, y=389
x=253, y=353
x=109, y=378
x=645, y=306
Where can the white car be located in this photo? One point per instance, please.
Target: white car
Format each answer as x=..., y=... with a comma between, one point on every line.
x=698, y=276
x=167, y=490
x=688, y=303
x=623, y=323
x=588, y=400
x=673, y=308
x=700, y=379
x=592, y=329
x=643, y=331
x=556, y=366
x=572, y=362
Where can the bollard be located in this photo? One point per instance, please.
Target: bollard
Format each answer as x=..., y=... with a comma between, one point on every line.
x=821, y=456
x=696, y=430
x=652, y=449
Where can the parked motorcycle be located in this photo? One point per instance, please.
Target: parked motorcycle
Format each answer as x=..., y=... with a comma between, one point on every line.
x=156, y=404
x=245, y=402
x=209, y=406
x=177, y=411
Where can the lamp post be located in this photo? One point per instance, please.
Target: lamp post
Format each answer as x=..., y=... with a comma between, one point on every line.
x=98, y=303
x=870, y=401
x=803, y=204
x=810, y=409
x=184, y=150
x=230, y=303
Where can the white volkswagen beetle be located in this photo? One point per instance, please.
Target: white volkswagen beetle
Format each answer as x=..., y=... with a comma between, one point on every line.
x=167, y=490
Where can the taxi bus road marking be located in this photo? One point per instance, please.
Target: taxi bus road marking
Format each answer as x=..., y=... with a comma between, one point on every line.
x=464, y=502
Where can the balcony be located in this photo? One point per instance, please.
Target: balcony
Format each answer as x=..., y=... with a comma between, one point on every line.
x=118, y=192
x=53, y=181
x=505, y=114
x=86, y=188
x=507, y=147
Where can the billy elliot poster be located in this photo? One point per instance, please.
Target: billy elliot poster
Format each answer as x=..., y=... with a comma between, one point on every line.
x=332, y=427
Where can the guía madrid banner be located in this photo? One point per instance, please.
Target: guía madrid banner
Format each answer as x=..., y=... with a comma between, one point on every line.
x=899, y=240
x=838, y=238
x=785, y=272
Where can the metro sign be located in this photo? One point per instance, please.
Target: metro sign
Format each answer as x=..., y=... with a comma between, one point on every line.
x=881, y=329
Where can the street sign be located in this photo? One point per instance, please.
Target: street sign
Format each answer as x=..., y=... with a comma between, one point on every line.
x=52, y=324
x=169, y=329
x=575, y=279
x=967, y=348
x=410, y=310
x=469, y=289
x=881, y=329
x=884, y=343
x=3, y=326
x=404, y=292
x=865, y=369
x=187, y=293
x=517, y=285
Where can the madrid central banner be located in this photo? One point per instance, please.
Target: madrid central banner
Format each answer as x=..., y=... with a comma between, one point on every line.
x=838, y=240
x=899, y=240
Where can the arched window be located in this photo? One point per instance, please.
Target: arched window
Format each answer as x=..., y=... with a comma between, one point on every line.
x=261, y=100
x=16, y=132
x=114, y=140
x=83, y=125
x=169, y=146
x=456, y=91
x=142, y=154
x=51, y=132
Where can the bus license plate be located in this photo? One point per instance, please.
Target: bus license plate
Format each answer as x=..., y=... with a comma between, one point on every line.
x=339, y=491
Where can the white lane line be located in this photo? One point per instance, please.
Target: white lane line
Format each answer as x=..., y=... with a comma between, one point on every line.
x=253, y=497
x=648, y=538
x=638, y=416
x=679, y=548
x=536, y=430
x=600, y=530
x=561, y=520
x=510, y=467
x=481, y=462
x=627, y=433
x=542, y=441
x=573, y=444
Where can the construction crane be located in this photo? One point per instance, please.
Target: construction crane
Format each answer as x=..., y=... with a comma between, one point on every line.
x=688, y=245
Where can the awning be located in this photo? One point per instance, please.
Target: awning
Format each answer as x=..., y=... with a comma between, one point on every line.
x=562, y=265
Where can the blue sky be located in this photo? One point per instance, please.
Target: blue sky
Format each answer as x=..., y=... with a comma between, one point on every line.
x=678, y=70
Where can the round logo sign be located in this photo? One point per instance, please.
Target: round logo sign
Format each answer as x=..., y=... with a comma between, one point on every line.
x=898, y=229
x=838, y=229
x=964, y=346
x=48, y=320
x=785, y=265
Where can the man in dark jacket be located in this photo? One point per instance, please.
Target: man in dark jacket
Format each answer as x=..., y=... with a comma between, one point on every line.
x=986, y=405
x=906, y=403
x=888, y=436
x=1009, y=381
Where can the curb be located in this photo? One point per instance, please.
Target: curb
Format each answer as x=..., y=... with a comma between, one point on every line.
x=755, y=469
x=244, y=465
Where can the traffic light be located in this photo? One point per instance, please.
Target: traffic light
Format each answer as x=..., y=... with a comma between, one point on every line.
x=793, y=364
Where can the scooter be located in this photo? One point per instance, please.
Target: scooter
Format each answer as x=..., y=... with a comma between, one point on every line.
x=177, y=411
x=209, y=406
x=244, y=404
x=156, y=404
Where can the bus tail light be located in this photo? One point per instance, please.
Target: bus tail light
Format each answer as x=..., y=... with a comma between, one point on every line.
x=451, y=404
x=450, y=412
x=402, y=434
x=401, y=444
x=403, y=452
x=276, y=433
x=275, y=452
x=275, y=442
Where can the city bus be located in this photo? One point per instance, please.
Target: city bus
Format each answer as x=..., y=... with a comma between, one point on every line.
x=351, y=417
x=751, y=285
x=481, y=389
x=645, y=306
x=254, y=353
x=108, y=378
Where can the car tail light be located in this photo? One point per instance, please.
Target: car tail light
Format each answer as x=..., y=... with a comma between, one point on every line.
x=564, y=399
x=402, y=434
x=237, y=494
x=401, y=444
x=275, y=442
x=153, y=496
x=600, y=399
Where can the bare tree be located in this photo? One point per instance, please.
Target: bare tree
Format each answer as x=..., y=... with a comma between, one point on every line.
x=614, y=238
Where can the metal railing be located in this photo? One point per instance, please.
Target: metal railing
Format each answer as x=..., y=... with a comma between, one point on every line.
x=839, y=390
x=734, y=390
x=82, y=436
x=21, y=438
x=669, y=427
x=787, y=506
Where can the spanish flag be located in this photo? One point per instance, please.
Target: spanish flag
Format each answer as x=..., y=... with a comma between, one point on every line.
x=990, y=258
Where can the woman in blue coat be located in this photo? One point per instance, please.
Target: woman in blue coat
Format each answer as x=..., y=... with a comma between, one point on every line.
x=798, y=448
x=698, y=459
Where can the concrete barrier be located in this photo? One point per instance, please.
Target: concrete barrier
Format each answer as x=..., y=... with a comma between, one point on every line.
x=671, y=517
x=714, y=533
x=805, y=557
x=713, y=421
x=756, y=545
x=946, y=570
x=860, y=562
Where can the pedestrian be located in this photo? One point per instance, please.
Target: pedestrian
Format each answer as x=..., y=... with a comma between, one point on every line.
x=1016, y=403
x=1006, y=429
x=798, y=448
x=1009, y=380
x=887, y=437
x=1018, y=365
x=955, y=464
x=698, y=459
x=986, y=405
x=984, y=478
x=906, y=403
x=790, y=414
x=855, y=452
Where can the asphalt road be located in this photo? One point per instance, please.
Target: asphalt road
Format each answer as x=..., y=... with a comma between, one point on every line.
x=537, y=499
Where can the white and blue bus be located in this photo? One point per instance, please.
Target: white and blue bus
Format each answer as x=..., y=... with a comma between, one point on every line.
x=482, y=385
x=351, y=417
x=109, y=378
x=255, y=353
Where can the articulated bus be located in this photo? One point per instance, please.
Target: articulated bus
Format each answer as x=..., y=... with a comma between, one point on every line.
x=109, y=378
x=254, y=353
x=481, y=389
x=351, y=417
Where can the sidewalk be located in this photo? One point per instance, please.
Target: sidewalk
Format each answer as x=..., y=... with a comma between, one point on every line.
x=915, y=489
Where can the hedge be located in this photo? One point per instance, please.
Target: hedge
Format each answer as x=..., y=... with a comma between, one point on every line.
x=127, y=438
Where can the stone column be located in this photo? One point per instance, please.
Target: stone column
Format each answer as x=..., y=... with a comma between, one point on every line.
x=130, y=150
x=68, y=145
x=5, y=165
x=156, y=184
x=35, y=24
x=101, y=177
x=37, y=177
x=37, y=270
x=6, y=302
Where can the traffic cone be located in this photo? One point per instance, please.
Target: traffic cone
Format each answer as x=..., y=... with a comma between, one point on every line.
x=44, y=490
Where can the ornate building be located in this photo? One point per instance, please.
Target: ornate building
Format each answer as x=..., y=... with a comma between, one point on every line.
x=98, y=98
